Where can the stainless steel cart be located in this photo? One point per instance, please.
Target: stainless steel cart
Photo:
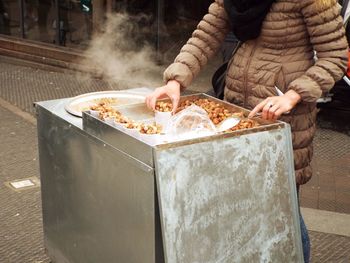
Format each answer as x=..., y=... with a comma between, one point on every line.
x=109, y=197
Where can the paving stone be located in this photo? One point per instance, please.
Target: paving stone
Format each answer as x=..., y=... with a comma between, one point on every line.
x=329, y=248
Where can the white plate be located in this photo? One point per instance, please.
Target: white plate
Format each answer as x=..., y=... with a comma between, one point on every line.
x=81, y=103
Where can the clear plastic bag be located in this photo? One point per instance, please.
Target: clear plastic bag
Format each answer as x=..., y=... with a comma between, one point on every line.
x=192, y=122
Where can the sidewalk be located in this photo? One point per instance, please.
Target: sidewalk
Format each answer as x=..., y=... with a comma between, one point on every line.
x=21, y=238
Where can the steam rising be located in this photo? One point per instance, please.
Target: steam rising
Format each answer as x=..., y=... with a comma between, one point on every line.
x=120, y=53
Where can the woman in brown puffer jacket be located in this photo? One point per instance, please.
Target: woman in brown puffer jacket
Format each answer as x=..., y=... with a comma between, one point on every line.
x=279, y=39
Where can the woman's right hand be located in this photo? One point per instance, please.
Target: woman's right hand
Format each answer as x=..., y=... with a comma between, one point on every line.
x=171, y=90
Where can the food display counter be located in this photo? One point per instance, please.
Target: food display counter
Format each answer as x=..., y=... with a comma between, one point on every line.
x=109, y=196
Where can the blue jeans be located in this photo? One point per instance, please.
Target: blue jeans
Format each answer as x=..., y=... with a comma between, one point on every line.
x=304, y=234
x=305, y=240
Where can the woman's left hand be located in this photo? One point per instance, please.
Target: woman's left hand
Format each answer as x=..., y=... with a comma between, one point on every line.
x=273, y=107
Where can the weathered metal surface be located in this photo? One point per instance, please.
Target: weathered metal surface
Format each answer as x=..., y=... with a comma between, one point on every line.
x=98, y=202
x=230, y=200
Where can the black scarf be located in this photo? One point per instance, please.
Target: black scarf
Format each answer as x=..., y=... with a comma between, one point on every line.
x=247, y=16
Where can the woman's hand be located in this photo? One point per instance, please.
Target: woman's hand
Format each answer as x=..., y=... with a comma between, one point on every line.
x=273, y=107
x=171, y=90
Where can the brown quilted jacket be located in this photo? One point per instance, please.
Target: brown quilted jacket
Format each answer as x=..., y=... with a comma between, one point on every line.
x=282, y=56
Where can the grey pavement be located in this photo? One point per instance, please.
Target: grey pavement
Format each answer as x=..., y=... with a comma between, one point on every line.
x=21, y=236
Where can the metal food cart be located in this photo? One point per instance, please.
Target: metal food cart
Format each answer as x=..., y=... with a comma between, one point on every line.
x=109, y=197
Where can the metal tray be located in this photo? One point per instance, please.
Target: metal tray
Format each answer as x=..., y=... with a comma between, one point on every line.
x=139, y=112
x=80, y=103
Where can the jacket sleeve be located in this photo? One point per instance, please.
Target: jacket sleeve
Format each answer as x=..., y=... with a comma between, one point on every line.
x=327, y=35
x=204, y=43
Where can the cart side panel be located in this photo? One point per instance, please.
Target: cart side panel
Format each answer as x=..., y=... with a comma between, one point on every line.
x=98, y=203
x=230, y=200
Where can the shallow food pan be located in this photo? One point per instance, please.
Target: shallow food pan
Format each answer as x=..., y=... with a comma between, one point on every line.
x=81, y=103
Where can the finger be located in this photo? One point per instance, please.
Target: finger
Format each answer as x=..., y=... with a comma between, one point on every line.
x=257, y=109
x=271, y=113
x=153, y=101
x=148, y=98
x=175, y=101
x=266, y=109
x=153, y=98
